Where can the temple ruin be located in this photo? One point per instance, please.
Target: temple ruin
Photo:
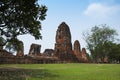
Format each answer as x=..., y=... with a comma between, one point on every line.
x=77, y=49
x=48, y=52
x=63, y=45
x=34, y=50
x=63, y=51
x=80, y=54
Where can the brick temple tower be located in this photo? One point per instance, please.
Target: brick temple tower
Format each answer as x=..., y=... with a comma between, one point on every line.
x=77, y=48
x=84, y=55
x=63, y=45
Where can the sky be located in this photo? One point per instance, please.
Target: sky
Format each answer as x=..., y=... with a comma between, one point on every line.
x=79, y=15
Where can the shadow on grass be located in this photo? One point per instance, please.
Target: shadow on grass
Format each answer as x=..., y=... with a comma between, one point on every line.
x=24, y=74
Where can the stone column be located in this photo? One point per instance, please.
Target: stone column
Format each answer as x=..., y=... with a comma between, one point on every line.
x=34, y=49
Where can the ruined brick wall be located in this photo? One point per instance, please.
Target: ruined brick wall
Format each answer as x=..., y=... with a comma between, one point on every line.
x=5, y=55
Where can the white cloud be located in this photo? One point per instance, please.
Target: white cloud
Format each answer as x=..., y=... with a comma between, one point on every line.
x=98, y=10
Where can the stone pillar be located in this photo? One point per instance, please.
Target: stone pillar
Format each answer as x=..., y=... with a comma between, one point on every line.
x=34, y=49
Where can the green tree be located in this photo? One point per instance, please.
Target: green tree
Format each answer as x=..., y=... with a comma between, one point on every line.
x=19, y=17
x=114, y=52
x=14, y=45
x=97, y=39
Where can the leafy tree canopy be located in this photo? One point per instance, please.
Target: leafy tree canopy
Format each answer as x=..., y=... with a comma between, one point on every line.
x=114, y=52
x=19, y=17
x=97, y=39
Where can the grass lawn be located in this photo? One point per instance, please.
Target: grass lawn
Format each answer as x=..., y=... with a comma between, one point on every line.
x=60, y=71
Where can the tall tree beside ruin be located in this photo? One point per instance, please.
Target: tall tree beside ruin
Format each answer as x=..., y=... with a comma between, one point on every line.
x=96, y=40
x=19, y=17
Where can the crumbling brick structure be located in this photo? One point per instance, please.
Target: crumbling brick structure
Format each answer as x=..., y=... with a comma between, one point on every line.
x=84, y=55
x=62, y=52
x=63, y=45
x=80, y=54
x=34, y=50
x=48, y=52
x=77, y=49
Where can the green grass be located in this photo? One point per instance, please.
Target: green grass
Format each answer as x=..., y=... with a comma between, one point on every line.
x=60, y=72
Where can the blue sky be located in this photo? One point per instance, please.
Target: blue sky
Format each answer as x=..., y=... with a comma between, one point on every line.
x=80, y=15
